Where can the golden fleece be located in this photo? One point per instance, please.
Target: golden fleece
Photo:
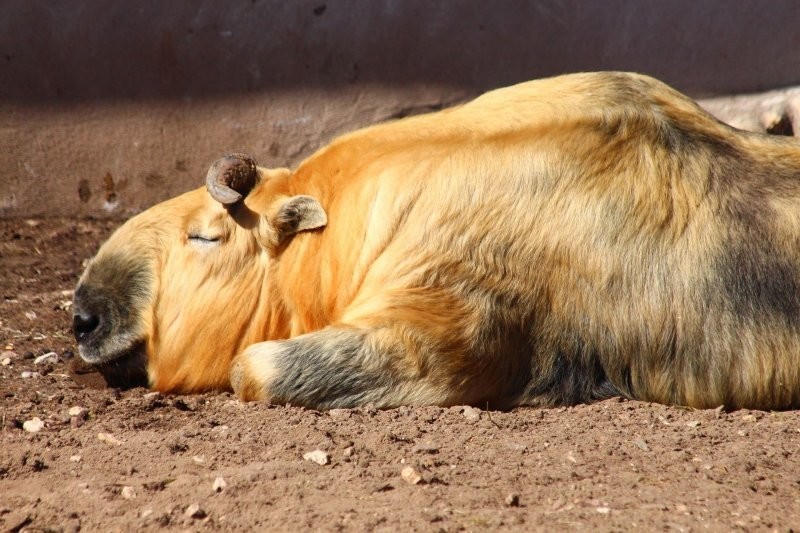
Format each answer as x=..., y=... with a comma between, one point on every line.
x=555, y=242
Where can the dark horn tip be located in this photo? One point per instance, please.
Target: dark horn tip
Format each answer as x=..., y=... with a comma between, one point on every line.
x=239, y=172
x=232, y=177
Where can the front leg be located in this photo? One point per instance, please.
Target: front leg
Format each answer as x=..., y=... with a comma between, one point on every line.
x=338, y=367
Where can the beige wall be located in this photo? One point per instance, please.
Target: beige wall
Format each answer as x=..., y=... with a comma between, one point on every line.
x=107, y=106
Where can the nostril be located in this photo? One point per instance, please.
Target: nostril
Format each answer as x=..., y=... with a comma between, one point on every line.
x=83, y=325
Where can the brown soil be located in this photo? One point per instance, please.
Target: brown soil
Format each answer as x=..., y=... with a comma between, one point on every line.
x=139, y=461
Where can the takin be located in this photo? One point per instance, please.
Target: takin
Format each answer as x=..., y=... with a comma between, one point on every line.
x=556, y=242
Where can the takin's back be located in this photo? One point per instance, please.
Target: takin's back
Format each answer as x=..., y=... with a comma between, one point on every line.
x=566, y=240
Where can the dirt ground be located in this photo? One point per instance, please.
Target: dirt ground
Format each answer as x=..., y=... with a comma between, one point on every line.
x=107, y=460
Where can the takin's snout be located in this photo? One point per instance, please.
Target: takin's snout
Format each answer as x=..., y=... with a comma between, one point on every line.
x=107, y=320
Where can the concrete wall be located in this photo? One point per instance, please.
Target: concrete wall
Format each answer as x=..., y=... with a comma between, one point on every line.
x=107, y=106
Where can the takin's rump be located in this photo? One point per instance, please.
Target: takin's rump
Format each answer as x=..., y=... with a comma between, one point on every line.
x=559, y=241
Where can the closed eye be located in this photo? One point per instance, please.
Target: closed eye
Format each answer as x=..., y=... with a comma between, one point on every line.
x=203, y=240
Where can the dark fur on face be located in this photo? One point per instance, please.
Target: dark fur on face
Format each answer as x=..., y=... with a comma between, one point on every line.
x=110, y=299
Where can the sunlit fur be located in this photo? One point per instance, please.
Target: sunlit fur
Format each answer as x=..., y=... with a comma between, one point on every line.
x=554, y=242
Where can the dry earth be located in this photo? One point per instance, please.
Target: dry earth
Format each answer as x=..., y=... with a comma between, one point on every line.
x=106, y=460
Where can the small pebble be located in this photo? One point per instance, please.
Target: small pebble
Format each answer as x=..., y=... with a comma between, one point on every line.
x=641, y=444
x=603, y=510
x=425, y=447
x=516, y=446
x=75, y=458
x=194, y=511
x=128, y=492
x=49, y=357
x=693, y=423
x=348, y=452
x=382, y=487
x=471, y=413
x=28, y=375
x=78, y=412
x=749, y=418
x=109, y=438
x=318, y=456
x=339, y=414
x=152, y=396
x=219, y=485
x=30, y=315
x=573, y=457
x=410, y=476
x=512, y=500
x=34, y=425
x=6, y=361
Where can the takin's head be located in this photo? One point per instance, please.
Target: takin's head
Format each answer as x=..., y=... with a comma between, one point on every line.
x=180, y=289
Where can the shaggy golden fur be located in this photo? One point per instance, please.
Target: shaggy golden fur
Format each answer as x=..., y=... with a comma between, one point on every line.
x=554, y=242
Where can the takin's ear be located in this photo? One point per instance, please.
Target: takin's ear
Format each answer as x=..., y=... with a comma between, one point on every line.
x=298, y=213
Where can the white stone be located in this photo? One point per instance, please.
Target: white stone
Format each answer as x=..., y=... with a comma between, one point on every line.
x=78, y=412
x=34, y=425
x=471, y=413
x=128, y=492
x=410, y=476
x=219, y=485
x=318, y=456
x=109, y=438
x=194, y=511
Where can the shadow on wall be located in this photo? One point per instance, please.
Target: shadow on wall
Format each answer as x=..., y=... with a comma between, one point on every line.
x=76, y=50
x=111, y=106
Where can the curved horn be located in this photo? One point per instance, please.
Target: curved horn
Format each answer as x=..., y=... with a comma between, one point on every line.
x=231, y=178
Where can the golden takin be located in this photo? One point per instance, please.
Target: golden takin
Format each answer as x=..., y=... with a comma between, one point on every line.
x=551, y=243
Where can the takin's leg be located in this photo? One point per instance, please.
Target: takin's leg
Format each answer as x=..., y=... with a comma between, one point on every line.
x=347, y=367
